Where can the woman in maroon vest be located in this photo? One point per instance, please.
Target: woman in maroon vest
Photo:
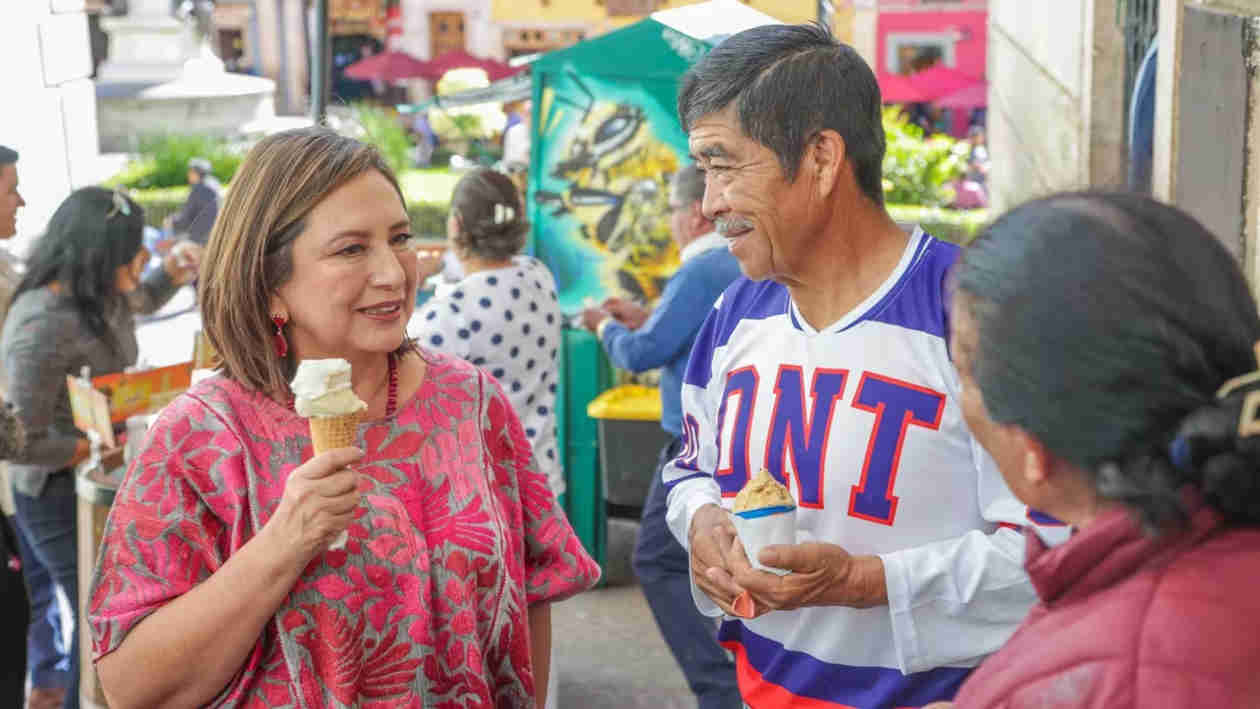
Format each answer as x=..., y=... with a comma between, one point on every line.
x=1106, y=345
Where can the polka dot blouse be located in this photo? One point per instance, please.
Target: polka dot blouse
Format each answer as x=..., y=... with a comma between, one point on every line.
x=507, y=322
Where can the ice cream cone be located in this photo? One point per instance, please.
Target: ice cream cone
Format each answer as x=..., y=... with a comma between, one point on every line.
x=331, y=432
x=323, y=396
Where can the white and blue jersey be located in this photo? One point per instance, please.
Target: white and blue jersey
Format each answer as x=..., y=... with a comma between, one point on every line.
x=863, y=422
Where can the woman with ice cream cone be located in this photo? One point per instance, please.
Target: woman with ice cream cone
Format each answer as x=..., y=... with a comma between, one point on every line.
x=220, y=580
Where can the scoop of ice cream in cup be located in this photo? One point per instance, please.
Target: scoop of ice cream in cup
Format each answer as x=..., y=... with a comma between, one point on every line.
x=764, y=514
x=322, y=395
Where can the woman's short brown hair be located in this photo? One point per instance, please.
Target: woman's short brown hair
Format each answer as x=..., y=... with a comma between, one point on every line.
x=250, y=251
x=492, y=224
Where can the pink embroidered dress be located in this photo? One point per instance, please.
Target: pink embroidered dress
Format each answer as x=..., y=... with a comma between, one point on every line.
x=427, y=605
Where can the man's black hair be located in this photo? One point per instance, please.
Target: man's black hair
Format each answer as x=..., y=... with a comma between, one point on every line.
x=787, y=83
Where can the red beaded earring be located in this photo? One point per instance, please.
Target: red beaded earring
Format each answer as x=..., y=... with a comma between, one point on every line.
x=282, y=345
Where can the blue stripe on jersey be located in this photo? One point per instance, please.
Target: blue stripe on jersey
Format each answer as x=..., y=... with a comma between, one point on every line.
x=743, y=300
x=918, y=301
x=861, y=687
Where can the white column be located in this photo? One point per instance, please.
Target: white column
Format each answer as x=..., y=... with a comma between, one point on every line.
x=54, y=130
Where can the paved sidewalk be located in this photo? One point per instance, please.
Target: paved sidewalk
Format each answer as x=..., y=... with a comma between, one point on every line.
x=610, y=654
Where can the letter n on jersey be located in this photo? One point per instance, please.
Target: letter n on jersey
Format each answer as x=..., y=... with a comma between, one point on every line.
x=896, y=405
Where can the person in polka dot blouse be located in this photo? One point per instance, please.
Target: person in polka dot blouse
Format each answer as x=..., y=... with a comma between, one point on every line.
x=503, y=316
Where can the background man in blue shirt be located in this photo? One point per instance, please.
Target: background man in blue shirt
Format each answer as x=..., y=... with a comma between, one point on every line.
x=639, y=340
x=196, y=218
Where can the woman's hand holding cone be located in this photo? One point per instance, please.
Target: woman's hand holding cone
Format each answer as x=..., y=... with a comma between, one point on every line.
x=319, y=502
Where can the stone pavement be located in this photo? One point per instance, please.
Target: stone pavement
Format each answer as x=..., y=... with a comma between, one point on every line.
x=610, y=654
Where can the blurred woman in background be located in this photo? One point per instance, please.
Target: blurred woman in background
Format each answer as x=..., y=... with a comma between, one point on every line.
x=503, y=316
x=74, y=308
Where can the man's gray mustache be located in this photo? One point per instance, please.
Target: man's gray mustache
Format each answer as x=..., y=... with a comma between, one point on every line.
x=725, y=226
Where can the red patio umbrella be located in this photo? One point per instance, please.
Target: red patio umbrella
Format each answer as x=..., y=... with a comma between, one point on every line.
x=967, y=97
x=940, y=80
x=459, y=59
x=895, y=88
x=386, y=66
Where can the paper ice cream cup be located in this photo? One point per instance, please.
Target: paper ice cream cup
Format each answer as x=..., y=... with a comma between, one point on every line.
x=763, y=527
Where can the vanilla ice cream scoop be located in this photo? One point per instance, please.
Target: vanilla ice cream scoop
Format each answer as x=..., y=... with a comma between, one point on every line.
x=321, y=389
x=763, y=491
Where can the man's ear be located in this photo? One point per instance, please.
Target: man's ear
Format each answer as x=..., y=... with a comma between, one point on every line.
x=824, y=161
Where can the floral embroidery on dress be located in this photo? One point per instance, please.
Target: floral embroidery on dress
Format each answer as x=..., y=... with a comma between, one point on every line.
x=426, y=606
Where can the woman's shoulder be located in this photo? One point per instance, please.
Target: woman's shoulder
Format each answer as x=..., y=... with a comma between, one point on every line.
x=43, y=320
x=448, y=378
x=220, y=404
x=1198, y=606
x=1231, y=559
x=532, y=266
x=444, y=370
x=41, y=303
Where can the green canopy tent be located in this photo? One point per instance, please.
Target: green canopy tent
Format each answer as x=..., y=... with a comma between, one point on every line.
x=605, y=141
x=606, y=138
x=513, y=88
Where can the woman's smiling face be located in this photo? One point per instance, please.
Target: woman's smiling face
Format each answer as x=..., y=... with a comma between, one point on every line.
x=353, y=282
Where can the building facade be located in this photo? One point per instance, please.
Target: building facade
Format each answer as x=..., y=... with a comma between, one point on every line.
x=1056, y=103
x=1061, y=91
x=54, y=130
x=542, y=25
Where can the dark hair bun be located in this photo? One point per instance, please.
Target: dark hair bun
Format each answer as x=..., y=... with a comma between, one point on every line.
x=1224, y=465
x=492, y=218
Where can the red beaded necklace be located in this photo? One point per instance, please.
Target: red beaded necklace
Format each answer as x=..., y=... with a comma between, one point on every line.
x=391, y=400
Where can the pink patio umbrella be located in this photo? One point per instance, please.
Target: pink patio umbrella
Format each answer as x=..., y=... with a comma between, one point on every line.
x=459, y=59
x=895, y=88
x=940, y=80
x=386, y=66
x=967, y=97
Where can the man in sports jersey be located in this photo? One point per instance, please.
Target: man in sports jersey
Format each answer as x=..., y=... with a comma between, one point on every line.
x=828, y=366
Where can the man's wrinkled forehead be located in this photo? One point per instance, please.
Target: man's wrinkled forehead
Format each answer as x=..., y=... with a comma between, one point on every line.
x=715, y=135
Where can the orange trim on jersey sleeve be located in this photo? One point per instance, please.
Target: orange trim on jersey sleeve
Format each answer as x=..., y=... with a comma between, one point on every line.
x=757, y=693
x=760, y=694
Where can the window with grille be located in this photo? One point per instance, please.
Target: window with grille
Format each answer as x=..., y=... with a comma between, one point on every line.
x=1139, y=19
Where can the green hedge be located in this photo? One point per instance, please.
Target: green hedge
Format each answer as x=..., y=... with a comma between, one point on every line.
x=428, y=219
x=957, y=225
x=159, y=202
x=163, y=161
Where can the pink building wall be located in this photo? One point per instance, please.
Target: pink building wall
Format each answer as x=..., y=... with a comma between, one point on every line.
x=968, y=33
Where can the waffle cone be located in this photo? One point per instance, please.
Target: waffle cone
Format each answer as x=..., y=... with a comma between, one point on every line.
x=329, y=432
